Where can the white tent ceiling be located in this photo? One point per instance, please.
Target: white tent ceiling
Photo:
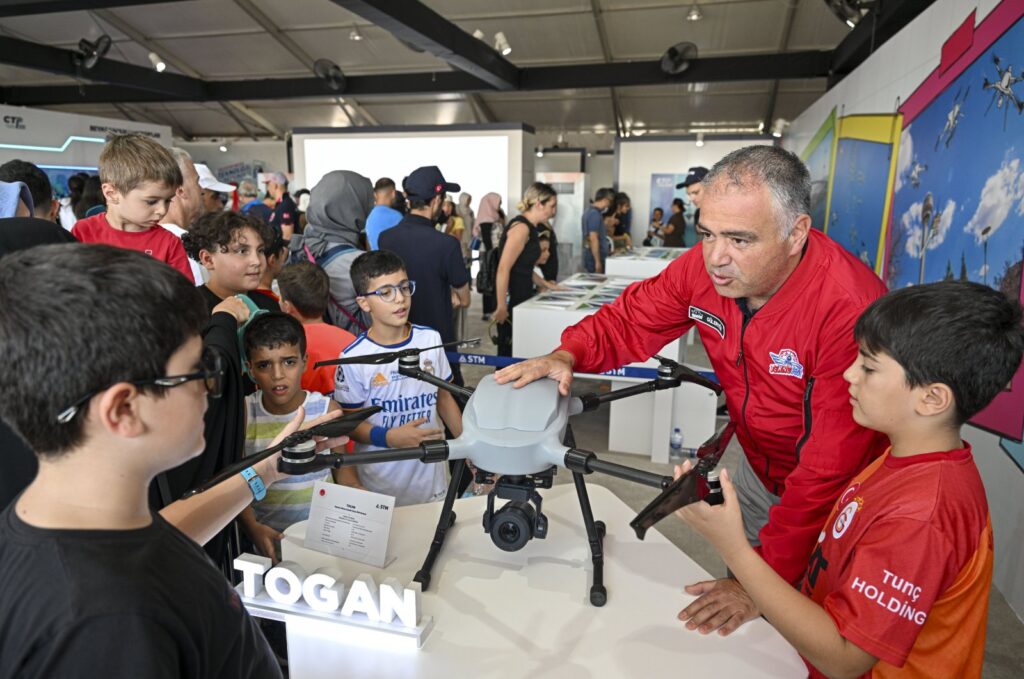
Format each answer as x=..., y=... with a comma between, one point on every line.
x=229, y=39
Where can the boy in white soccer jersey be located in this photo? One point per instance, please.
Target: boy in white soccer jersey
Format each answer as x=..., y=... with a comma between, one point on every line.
x=410, y=408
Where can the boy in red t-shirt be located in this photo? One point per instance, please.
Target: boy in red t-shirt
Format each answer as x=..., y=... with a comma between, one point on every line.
x=898, y=583
x=140, y=177
x=305, y=290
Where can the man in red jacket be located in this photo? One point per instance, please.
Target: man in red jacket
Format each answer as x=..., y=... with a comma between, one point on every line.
x=775, y=304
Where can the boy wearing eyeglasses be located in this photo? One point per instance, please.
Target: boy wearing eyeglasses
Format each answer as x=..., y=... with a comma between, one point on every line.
x=275, y=351
x=95, y=582
x=410, y=407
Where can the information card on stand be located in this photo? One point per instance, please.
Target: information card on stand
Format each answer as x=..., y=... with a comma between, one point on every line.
x=350, y=523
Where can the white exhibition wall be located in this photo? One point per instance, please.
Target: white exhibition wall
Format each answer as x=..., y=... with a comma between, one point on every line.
x=601, y=169
x=890, y=75
x=481, y=161
x=640, y=158
x=64, y=140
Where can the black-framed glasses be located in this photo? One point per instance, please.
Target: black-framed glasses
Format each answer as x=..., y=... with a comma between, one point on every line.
x=211, y=371
x=389, y=293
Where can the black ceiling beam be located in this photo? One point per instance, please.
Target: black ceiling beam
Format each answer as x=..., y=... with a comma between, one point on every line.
x=883, y=21
x=15, y=8
x=788, y=66
x=15, y=52
x=424, y=29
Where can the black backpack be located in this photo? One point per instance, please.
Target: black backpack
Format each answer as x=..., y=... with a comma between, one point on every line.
x=486, y=278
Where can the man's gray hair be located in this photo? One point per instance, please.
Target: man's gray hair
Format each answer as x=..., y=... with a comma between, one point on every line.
x=247, y=188
x=182, y=157
x=785, y=175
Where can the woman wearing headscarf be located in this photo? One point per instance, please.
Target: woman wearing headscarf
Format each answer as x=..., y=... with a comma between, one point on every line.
x=464, y=211
x=338, y=207
x=490, y=231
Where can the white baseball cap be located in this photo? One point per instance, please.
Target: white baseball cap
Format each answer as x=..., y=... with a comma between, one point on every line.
x=208, y=181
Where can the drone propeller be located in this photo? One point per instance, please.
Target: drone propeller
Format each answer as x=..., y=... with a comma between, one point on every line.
x=392, y=356
x=339, y=426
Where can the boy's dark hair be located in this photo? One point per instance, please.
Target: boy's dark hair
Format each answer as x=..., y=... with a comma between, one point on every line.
x=306, y=287
x=214, y=231
x=961, y=334
x=383, y=184
x=622, y=199
x=35, y=179
x=130, y=159
x=272, y=330
x=657, y=209
x=277, y=246
x=677, y=202
x=108, y=315
x=370, y=265
x=606, y=192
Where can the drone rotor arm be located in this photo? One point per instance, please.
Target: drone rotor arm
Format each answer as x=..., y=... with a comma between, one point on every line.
x=586, y=462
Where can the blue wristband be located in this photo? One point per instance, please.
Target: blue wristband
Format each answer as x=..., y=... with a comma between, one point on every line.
x=379, y=437
x=259, y=491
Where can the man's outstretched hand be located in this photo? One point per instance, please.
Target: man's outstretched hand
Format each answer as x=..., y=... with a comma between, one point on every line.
x=722, y=605
x=556, y=365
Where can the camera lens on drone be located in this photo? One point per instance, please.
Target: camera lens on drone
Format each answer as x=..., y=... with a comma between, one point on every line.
x=512, y=526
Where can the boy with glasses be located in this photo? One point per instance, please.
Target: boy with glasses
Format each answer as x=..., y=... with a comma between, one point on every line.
x=410, y=408
x=95, y=582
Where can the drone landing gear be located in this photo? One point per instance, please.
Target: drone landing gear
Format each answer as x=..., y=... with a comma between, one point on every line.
x=595, y=535
x=446, y=521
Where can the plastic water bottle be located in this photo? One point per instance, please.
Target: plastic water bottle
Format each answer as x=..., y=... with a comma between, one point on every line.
x=675, y=447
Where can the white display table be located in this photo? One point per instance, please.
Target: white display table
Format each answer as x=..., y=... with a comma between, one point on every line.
x=526, y=613
x=642, y=262
x=641, y=424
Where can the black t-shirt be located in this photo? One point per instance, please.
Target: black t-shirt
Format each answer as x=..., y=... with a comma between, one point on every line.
x=520, y=280
x=285, y=212
x=127, y=603
x=434, y=260
x=675, y=239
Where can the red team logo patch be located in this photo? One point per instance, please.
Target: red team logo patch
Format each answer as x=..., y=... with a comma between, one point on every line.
x=786, y=363
x=845, y=517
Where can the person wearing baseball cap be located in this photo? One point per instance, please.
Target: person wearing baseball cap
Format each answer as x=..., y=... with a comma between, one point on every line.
x=286, y=212
x=694, y=190
x=213, y=189
x=432, y=259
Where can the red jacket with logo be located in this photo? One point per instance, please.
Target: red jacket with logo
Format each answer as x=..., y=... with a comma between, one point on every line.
x=781, y=369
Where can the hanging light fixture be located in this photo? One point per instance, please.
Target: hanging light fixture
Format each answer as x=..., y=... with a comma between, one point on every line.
x=694, y=14
x=157, y=62
x=501, y=44
x=354, y=35
x=700, y=139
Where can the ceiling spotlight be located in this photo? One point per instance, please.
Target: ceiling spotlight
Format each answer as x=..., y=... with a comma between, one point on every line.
x=540, y=152
x=157, y=62
x=223, y=148
x=700, y=139
x=478, y=34
x=354, y=35
x=850, y=11
x=501, y=44
x=91, y=52
x=779, y=127
x=694, y=14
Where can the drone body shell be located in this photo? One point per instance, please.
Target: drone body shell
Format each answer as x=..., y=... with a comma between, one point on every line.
x=512, y=431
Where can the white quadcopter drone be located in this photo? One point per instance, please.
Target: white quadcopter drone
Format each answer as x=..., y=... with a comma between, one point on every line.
x=516, y=439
